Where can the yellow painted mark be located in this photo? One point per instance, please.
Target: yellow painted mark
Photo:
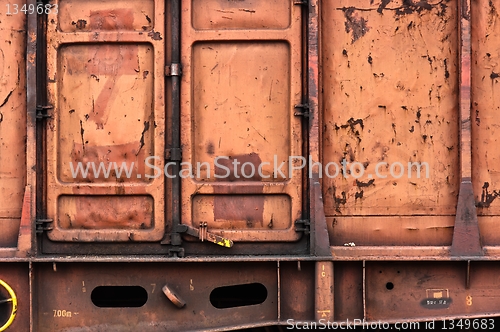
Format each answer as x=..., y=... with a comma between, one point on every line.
x=468, y=300
x=323, y=313
x=224, y=243
x=12, y=299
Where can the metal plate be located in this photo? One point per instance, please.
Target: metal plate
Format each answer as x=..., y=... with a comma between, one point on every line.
x=241, y=81
x=106, y=73
x=390, y=95
x=12, y=124
x=417, y=290
x=194, y=283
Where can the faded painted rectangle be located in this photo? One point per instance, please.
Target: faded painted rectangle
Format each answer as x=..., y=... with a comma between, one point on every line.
x=105, y=212
x=391, y=230
x=249, y=116
x=98, y=15
x=269, y=212
x=105, y=109
x=485, y=84
x=250, y=14
x=390, y=96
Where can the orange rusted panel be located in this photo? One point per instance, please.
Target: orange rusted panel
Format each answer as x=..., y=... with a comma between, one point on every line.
x=12, y=124
x=106, y=74
x=485, y=82
x=241, y=80
x=390, y=96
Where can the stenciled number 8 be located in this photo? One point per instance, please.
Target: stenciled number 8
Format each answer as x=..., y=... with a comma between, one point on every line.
x=47, y=8
x=13, y=301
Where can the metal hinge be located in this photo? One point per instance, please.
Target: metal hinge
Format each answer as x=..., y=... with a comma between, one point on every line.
x=44, y=225
x=303, y=225
x=174, y=154
x=303, y=110
x=174, y=69
x=41, y=112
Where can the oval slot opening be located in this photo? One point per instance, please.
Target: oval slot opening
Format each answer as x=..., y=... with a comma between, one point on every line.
x=119, y=296
x=238, y=295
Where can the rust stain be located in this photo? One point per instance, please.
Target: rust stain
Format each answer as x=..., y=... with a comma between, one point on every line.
x=155, y=35
x=141, y=141
x=361, y=184
x=358, y=26
x=486, y=197
x=210, y=148
x=80, y=24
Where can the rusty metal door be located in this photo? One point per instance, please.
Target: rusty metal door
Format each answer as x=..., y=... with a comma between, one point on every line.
x=12, y=125
x=390, y=103
x=241, y=80
x=106, y=88
x=485, y=105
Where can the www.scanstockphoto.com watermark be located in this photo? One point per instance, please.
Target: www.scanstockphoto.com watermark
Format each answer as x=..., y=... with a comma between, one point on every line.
x=232, y=168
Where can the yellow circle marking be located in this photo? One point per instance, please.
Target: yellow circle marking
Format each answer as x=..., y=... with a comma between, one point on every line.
x=12, y=299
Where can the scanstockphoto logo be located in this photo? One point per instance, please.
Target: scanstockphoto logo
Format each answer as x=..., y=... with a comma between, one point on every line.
x=227, y=167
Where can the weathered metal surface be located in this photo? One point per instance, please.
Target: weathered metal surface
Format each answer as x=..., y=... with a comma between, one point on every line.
x=295, y=284
x=348, y=290
x=15, y=275
x=13, y=130
x=105, y=83
x=194, y=283
x=484, y=83
x=390, y=94
x=390, y=88
x=426, y=289
x=241, y=79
